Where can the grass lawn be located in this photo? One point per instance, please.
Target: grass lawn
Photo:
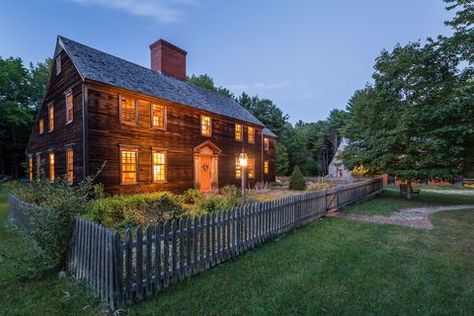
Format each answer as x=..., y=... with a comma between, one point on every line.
x=333, y=266
x=389, y=201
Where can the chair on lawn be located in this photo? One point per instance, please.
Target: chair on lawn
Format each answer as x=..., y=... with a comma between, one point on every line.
x=404, y=190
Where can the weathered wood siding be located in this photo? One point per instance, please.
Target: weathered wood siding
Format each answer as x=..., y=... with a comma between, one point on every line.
x=270, y=156
x=63, y=135
x=182, y=135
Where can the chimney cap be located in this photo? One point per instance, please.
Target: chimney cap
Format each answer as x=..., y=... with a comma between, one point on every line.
x=166, y=43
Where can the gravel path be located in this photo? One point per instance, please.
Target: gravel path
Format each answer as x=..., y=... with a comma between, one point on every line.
x=412, y=217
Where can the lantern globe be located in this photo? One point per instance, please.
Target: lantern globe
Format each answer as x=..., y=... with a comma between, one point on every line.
x=243, y=159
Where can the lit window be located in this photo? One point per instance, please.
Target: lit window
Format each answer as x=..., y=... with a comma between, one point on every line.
x=128, y=164
x=265, y=166
x=128, y=110
x=51, y=117
x=158, y=113
x=30, y=167
x=58, y=65
x=251, y=135
x=238, y=168
x=70, y=165
x=41, y=126
x=206, y=125
x=238, y=132
x=69, y=108
x=159, y=166
x=51, y=166
x=38, y=165
x=251, y=167
x=266, y=143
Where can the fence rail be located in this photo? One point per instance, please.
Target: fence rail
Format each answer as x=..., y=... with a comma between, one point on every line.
x=148, y=260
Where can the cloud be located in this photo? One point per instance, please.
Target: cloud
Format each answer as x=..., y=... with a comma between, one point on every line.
x=159, y=10
x=258, y=86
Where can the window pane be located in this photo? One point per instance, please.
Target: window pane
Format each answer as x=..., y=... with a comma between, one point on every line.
x=51, y=167
x=70, y=165
x=266, y=143
x=251, y=135
x=238, y=168
x=251, y=167
x=128, y=110
x=69, y=108
x=157, y=115
x=159, y=166
x=206, y=125
x=41, y=126
x=129, y=166
x=265, y=166
x=238, y=132
x=51, y=118
x=30, y=168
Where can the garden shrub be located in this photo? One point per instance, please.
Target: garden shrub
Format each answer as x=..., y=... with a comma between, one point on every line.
x=231, y=192
x=297, y=180
x=192, y=196
x=218, y=203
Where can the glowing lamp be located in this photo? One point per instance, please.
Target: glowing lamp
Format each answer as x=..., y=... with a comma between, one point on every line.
x=243, y=159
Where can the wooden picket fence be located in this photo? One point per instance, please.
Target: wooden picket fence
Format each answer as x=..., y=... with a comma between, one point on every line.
x=147, y=260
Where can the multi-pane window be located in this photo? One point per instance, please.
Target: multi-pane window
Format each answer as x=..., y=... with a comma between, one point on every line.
x=251, y=134
x=158, y=114
x=265, y=166
x=128, y=165
x=58, y=64
x=51, y=117
x=128, y=110
x=266, y=143
x=251, y=167
x=38, y=164
x=41, y=126
x=51, y=166
x=238, y=168
x=69, y=107
x=70, y=164
x=238, y=132
x=159, y=166
x=206, y=125
x=30, y=167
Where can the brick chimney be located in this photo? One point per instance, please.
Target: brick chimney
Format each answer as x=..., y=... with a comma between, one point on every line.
x=168, y=59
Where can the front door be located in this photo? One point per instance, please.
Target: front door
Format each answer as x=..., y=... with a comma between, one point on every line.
x=205, y=177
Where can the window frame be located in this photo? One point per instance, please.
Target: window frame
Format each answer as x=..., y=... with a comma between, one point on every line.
x=165, y=116
x=266, y=143
x=266, y=167
x=41, y=126
x=237, y=167
x=241, y=138
x=132, y=149
x=165, y=164
x=68, y=93
x=51, y=117
x=210, y=125
x=248, y=134
x=52, y=166
x=251, y=158
x=135, y=101
x=70, y=164
x=58, y=62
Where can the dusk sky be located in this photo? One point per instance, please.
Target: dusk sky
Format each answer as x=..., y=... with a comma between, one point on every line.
x=307, y=56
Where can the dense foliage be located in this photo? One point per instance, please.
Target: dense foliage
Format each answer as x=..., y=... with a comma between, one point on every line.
x=417, y=118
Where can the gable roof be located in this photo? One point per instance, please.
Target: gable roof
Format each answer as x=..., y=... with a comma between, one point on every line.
x=105, y=68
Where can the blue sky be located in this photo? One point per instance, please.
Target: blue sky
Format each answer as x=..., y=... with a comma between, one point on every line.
x=307, y=56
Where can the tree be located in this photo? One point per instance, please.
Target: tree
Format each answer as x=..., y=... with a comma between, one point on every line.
x=205, y=81
x=38, y=81
x=282, y=160
x=411, y=122
x=297, y=180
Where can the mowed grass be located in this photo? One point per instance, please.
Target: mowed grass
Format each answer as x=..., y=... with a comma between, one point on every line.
x=333, y=266
x=390, y=201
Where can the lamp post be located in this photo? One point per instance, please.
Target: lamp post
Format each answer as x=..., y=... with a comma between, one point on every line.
x=243, y=161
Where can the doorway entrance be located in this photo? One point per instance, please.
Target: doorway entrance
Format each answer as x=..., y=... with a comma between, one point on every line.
x=206, y=162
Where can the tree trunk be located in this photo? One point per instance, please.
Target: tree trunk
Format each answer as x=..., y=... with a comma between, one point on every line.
x=409, y=190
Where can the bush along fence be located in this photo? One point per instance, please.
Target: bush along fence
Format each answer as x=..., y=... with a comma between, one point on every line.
x=145, y=261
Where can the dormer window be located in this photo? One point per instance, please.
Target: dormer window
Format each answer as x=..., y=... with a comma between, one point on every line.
x=69, y=107
x=58, y=64
x=206, y=125
x=251, y=135
x=128, y=110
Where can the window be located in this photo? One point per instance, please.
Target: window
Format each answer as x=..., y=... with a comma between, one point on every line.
x=38, y=165
x=128, y=110
x=251, y=135
x=206, y=125
x=69, y=107
x=265, y=166
x=58, y=64
x=158, y=116
x=41, y=126
x=159, y=166
x=50, y=117
x=238, y=168
x=266, y=143
x=70, y=165
x=30, y=167
x=128, y=165
x=51, y=166
x=238, y=132
x=251, y=168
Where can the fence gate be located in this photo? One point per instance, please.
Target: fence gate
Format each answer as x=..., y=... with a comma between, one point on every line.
x=331, y=199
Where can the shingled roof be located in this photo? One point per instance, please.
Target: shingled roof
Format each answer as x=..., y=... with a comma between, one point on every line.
x=102, y=67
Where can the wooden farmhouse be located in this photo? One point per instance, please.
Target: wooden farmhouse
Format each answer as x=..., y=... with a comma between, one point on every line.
x=153, y=129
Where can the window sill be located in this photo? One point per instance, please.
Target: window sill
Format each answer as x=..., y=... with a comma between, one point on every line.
x=67, y=123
